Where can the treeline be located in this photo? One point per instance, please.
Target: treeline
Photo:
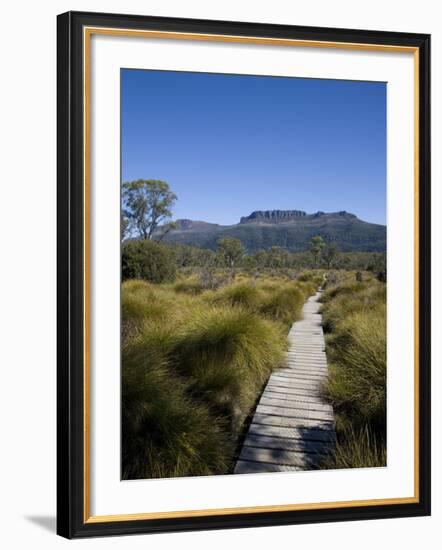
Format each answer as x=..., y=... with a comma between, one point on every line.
x=158, y=262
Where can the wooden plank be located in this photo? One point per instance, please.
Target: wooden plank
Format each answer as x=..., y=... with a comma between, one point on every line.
x=295, y=374
x=290, y=422
x=291, y=412
x=276, y=456
x=296, y=381
x=278, y=383
x=295, y=391
x=307, y=434
x=317, y=371
x=288, y=443
x=308, y=405
x=305, y=400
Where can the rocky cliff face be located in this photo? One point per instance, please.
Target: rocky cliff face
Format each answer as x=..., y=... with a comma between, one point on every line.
x=273, y=216
x=286, y=216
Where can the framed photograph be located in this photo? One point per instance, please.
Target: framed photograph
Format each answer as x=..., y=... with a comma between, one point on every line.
x=243, y=274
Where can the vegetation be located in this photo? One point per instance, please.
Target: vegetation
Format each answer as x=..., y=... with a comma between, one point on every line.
x=194, y=363
x=147, y=260
x=146, y=205
x=354, y=318
x=285, y=303
x=316, y=245
x=345, y=230
x=204, y=326
x=230, y=251
x=274, y=261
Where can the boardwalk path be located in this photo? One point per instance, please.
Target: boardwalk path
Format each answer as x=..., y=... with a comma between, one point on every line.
x=292, y=426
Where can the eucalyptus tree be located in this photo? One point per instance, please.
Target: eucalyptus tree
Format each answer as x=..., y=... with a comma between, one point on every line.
x=146, y=205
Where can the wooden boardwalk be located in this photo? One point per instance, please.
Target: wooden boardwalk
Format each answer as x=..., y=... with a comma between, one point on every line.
x=292, y=426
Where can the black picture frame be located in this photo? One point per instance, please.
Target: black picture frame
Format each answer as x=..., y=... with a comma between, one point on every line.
x=71, y=520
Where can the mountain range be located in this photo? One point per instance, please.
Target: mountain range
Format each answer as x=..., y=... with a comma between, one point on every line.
x=288, y=229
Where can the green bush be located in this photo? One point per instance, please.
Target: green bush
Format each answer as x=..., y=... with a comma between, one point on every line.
x=147, y=260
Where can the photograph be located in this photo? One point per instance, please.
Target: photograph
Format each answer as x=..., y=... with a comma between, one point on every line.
x=253, y=274
x=243, y=274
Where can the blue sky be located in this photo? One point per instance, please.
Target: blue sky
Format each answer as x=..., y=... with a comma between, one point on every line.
x=231, y=144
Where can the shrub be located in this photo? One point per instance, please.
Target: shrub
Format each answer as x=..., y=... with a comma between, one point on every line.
x=147, y=260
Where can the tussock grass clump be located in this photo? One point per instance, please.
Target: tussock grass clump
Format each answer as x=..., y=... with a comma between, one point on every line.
x=341, y=301
x=241, y=294
x=347, y=289
x=270, y=284
x=285, y=304
x=308, y=288
x=354, y=315
x=189, y=286
x=228, y=353
x=358, y=449
x=358, y=353
x=314, y=276
x=140, y=302
x=164, y=432
x=143, y=301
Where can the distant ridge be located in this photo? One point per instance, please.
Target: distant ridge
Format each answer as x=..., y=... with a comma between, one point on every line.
x=287, y=216
x=273, y=216
x=288, y=229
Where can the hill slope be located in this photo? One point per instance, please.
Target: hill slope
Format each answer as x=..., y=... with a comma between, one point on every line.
x=289, y=229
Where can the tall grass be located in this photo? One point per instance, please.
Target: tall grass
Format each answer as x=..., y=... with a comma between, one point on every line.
x=194, y=362
x=189, y=286
x=357, y=449
x=285, y=304
x=228, y=354
x=164, y=432
x=241, y=294
x=354, y=316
